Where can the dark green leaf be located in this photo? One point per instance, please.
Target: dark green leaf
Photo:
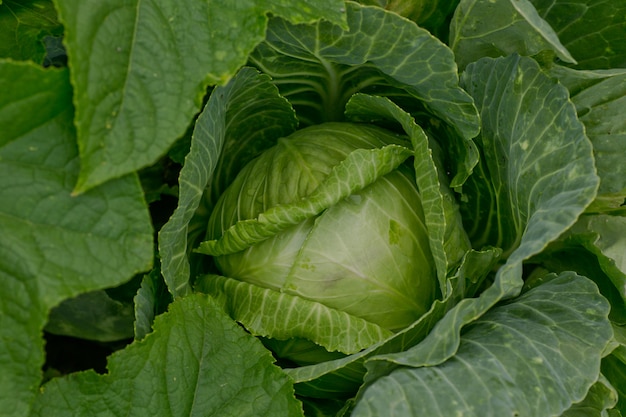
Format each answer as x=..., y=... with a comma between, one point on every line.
x=197, y=362
x=600, y=97
x=319, y=67
x=93, y=316
x=140, y=69
x=25, y=24
x=53, y=245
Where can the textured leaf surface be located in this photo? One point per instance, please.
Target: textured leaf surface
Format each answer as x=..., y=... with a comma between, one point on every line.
x=197, y=362
x=140, y=69
x=528, y=124
x=53, y=245
x=448, y=241
x=253, y=101
x=361, y=168
x=319, y=67
x=24, y=25
x=592, y=30
x=270, y=313
x=533, y=356
x=483, y=28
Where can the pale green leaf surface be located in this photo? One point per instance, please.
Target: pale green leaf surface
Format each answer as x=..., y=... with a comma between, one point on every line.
x=533, y=356
x=140, y=69
x=482, y=28
x=250, y=100
x=53, y=245
x=361, y=167
x=591, y=30
x=319, y=67
x=269, y=313
x=448, y=241
x=197, y=362
x=528, y=124
x=346, y=374
x=24, y=25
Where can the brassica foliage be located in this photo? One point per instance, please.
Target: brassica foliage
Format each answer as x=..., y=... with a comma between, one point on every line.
x=313, y=208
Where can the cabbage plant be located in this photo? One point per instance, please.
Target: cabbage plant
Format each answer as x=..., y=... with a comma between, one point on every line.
x=347, y=222
x=312, y=208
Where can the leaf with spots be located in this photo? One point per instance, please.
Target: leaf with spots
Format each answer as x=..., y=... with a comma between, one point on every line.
x=536, y=355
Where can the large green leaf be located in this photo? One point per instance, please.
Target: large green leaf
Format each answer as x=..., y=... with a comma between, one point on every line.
x=600, y=97
x=591, y=30
x=230, y=120
x=319, y=67
x=279, y=315
x=25, y=24
x=53, y=245
x=533, y=356
x=140, y=69
x=486, y=28
x=537, y=170
x=528, y=125
x=197, y=362
x=338, y=377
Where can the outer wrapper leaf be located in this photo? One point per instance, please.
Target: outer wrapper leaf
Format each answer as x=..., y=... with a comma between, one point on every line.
x=533, y=356
x=140, y=69
x=535, y=200
x=483, y=28
x=253, y=101
x=197, y=362
x=53, y=245
x=319, y=67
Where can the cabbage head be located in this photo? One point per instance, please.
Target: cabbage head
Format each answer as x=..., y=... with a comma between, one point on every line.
x=364, y=251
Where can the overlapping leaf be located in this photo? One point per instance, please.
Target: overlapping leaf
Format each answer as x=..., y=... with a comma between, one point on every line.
x=319, y=67
x=528, y=125
x=53, y=245
x=591, y=30
x=265, y=312
x=600, y=97
x=196, y=362
x=253, y=101
x=140, y=69
x=534, y=356
x=484, y=28
x=25, y=26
